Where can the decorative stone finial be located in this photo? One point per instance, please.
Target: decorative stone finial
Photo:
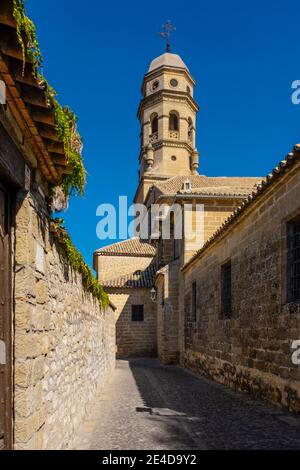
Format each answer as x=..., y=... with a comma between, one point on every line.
x=195, y=161
x=149, y=157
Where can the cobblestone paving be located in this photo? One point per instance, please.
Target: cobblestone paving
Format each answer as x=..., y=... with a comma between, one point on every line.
x=149, y=406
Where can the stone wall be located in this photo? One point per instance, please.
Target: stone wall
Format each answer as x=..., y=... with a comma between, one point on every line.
x=167, y=285
x=215, y=212
x=134, y=339
x=64, y=345
x=251, y=351
x=109, y=267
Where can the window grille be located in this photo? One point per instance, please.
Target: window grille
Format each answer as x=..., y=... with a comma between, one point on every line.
x=293, y=261
x=226, y=290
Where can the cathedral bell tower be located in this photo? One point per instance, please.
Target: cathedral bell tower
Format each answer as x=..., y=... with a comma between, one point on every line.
x=167, y=114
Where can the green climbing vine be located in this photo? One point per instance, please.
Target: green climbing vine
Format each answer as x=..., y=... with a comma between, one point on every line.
x=27, y=38
x=65, y=120
x=76, y=261
x=66, y=127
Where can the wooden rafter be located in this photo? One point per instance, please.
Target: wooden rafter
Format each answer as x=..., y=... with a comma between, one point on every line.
x=26, y=99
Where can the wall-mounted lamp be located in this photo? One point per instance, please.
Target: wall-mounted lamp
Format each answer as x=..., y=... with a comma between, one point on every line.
x=153, y=294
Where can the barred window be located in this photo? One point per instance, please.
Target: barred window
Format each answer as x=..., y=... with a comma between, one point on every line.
x=137, y=313
x=226, y=290
x=194, y=301
x=293, y=261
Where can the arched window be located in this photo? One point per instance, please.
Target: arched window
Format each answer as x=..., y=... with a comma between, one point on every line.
x=173, y=121
x=154, y=123
x=190, y=129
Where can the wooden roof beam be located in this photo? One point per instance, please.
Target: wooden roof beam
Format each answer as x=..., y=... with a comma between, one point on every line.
x=6, y=14
x=48, y=132
x=34, y=96
x=43, y=116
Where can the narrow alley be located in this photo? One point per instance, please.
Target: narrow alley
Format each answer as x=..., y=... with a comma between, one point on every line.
x=149, y=406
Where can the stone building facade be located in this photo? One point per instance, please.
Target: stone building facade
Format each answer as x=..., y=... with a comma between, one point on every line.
x=57, y=340
x=168, y=163
x=221, y=305
x=248, y=346
x=134, y=262
x=64, y=343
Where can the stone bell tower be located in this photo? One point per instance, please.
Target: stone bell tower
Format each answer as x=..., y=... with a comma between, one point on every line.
x=167, y=114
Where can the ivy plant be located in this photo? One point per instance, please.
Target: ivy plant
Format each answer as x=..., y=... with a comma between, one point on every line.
x=27, y=37
x=65, y=120
x=76, y=261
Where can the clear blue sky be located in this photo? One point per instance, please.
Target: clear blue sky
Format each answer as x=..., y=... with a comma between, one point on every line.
x=243, y=56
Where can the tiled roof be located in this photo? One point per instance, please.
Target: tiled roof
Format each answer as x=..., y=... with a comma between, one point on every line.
x=283, y=167
x=219, y=191
x=142, y=279
x=233, y=185
x=131, y=247
x=27, y=99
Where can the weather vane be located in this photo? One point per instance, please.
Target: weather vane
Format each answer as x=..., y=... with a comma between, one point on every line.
x=168, y=28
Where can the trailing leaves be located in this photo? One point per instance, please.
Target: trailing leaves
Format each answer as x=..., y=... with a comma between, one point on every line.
x=76, y=261
x=27, y=38
x=66, y=127
x=65, y=120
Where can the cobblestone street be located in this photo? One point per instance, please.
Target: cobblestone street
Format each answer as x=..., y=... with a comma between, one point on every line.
x=149, y=406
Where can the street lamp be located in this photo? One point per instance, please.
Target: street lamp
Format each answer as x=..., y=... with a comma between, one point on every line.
x=153, y=294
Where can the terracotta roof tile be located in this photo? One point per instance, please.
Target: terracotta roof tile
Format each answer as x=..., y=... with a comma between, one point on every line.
x=201, y=182
x=220, y=191
x=139, y=279
x=131, y=247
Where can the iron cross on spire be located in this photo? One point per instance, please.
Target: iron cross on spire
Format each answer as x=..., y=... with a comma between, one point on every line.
x=168, y=28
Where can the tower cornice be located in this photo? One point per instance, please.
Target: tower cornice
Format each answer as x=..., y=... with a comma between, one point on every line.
x=164, y=68
x=169, y=143
x=164, y=93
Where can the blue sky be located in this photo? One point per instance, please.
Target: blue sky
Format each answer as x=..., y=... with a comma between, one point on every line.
x=243, y=55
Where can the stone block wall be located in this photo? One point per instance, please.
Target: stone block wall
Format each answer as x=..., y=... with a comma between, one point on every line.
x=134, y=339
x=64, y=345
x=167, y=285
x=250, y=351
x=109, y=267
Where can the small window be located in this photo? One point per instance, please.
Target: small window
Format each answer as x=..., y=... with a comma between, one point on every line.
x=174, y=82
x=194, y=301
x=163, y=294
x=154, y=124
x=188, y=90
x=173, y=158
x=155, y=85
x=226, y=290
x=137, y=313
x=187, y=185
x=293, y=261
x=190, y=129
x=173, y=122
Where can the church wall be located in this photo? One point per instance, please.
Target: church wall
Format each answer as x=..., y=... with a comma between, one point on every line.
x=167, y=285
x=215, y=213
x=250, y=351
x=167, y=166
x=64, y=344
x=134, y=339
x=109, y=267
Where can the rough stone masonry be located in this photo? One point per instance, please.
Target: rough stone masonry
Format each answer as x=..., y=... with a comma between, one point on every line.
x=64, y=343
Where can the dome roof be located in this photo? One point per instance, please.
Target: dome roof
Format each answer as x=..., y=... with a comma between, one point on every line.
x=169, y=60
